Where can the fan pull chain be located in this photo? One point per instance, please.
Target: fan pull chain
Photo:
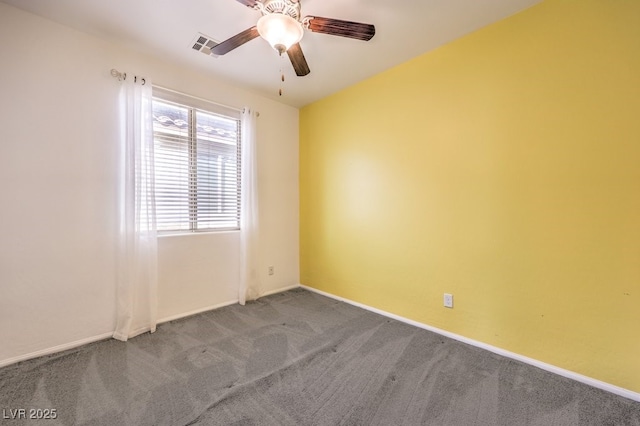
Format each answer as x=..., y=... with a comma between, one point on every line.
x=281, y=80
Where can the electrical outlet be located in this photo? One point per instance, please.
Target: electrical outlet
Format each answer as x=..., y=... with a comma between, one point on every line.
x=271, y=270
x=448, y=300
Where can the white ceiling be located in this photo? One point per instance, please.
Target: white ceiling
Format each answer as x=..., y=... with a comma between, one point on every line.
x=167, y=28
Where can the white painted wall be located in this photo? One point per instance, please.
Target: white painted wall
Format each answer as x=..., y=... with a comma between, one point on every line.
x=58, y=175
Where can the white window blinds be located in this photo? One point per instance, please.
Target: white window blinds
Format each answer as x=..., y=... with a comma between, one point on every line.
x=197, y=164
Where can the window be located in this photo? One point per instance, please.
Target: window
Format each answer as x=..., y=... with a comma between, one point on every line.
x=197, y=164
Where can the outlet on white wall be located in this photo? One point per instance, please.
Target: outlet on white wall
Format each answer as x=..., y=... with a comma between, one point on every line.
x=448, y=300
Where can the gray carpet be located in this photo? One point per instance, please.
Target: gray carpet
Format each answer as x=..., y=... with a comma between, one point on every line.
x=298, y=358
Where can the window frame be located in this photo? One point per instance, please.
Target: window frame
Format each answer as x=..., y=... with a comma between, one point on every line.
x=193, y=105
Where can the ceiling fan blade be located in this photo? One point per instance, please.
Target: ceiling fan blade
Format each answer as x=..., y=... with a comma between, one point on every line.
x=298, y=60
x=248, y=3
x=236, y=41
x=340, y=28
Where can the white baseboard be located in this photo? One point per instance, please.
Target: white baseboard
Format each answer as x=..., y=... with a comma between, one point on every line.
x=542, y=365
x=280, y=290
x=221, y=305
x=59, y=348
x=197, y=311
x=71, y=345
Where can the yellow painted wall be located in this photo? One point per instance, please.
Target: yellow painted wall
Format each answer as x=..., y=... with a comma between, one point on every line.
x=503, y=168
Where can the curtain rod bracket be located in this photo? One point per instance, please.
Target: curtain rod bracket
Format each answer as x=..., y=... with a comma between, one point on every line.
x=123, y=76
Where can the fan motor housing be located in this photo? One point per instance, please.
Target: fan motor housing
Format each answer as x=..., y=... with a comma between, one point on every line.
x=285, y=7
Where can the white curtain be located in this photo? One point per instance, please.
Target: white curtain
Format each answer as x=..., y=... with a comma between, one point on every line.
x=137, y=235
x=249, y=274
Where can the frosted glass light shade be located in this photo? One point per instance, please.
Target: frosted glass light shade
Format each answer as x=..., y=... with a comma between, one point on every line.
x=280, y=31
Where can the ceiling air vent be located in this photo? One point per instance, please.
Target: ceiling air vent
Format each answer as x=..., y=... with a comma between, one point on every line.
x=204, y=44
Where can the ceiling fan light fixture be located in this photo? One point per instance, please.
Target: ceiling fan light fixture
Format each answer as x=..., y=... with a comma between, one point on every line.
x=280, y=31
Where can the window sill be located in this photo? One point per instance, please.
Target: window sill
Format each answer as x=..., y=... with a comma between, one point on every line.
x=170, y=234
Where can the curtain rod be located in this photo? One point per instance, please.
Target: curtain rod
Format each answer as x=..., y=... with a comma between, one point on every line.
x=204, y=100
x=123, y=76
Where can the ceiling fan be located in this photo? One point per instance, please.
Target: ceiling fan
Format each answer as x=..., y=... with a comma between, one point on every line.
x=282, y=26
